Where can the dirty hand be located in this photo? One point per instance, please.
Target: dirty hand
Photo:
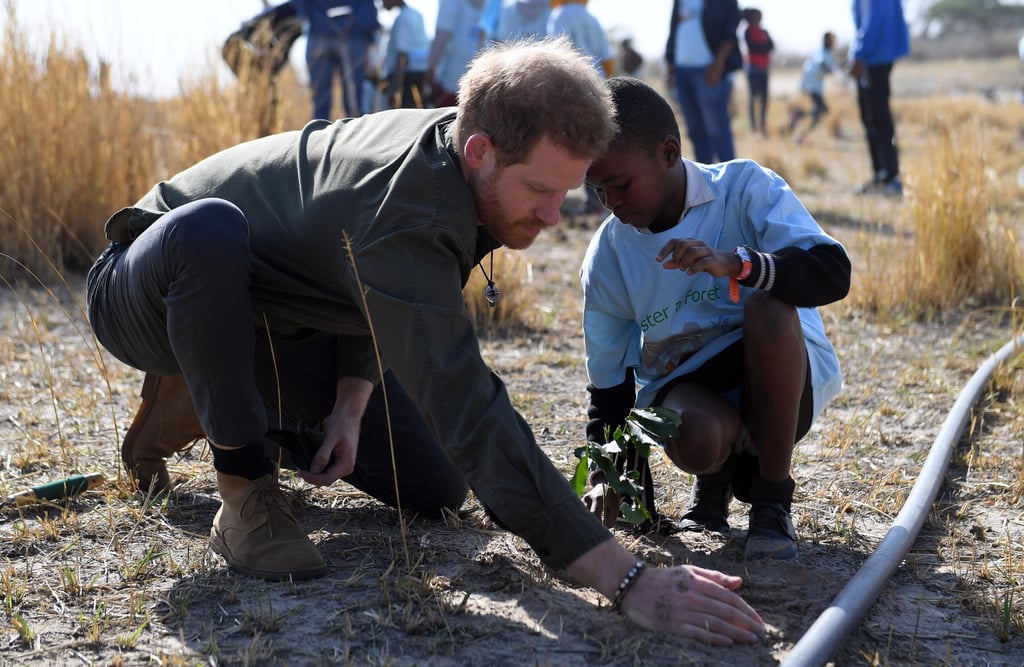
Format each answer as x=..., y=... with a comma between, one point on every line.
x=693, y=602
x=603, y=503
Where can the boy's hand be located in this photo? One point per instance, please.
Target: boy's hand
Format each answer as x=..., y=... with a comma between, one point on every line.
x=694, y=256
x=603, y=503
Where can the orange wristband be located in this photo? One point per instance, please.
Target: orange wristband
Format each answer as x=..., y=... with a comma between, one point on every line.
x=747, y=266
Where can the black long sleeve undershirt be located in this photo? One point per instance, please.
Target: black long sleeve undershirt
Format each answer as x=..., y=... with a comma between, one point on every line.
x=803, y=278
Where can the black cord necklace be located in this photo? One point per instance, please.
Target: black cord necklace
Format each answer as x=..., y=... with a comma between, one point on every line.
x=491, y=292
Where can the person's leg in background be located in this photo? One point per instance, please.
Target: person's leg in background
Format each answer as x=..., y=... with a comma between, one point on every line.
x=353, y=55
x=320, y=60
x=688, y=81
x=757, y=84
x=885, y=127
x=873, y=93
x=714, y=107
x=867, y=105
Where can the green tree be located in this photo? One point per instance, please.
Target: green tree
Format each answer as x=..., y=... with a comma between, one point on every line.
x=971, y=17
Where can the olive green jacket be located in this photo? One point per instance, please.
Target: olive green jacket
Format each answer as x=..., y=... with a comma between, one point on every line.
x=387, y=190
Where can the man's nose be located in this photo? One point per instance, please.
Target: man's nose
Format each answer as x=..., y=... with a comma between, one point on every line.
x=550, y=211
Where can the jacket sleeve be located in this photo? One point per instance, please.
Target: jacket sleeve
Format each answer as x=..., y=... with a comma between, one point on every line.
x=805, y=278
x=430, y=344
x=357, y=357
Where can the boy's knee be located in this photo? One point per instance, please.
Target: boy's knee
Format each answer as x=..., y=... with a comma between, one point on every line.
x=767, y=316
x=696, y=460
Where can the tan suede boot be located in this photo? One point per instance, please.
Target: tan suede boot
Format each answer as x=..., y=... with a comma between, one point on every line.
x=165, y=424
x=257, y=534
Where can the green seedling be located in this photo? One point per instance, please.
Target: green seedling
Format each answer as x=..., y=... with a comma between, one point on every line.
x=644, y=428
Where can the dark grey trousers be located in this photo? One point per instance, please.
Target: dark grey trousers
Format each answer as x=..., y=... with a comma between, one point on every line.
x=176, y=300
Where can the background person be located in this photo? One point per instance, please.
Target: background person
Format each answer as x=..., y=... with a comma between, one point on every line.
x=880, y=39
x=701, y=53
x=523, y=19
x=340, y=34
x=759, y=59
x=458, y=36
x=405, y=57
x=812, y=82
x=572, y=19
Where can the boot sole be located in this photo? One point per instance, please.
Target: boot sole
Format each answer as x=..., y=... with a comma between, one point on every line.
x=691, y=526
x=221, y=549
x=771, y=552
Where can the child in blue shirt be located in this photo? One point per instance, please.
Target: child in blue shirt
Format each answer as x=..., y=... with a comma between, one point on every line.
x=405, y=57
x=812, y=82
x=701, y=290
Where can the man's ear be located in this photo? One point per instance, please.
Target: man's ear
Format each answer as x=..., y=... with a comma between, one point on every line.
x=671, y=151
x=478, y=150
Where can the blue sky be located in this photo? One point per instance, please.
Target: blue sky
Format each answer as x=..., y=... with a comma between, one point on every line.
x=153, y=43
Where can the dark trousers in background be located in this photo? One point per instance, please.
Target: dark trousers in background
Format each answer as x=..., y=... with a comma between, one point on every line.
x=757, y=82
x=873, y=99
x=176, y=300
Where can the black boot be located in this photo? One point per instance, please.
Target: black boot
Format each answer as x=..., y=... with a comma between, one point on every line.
x=709, y=501
x=771, y=533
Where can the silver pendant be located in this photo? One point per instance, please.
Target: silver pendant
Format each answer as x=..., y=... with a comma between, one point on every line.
x=491, y=293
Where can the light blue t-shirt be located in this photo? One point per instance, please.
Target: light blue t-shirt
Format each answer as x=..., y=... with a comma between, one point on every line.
x=815, y=69
x=523, y=19
x=462, y=19
x=662, y=323
x=692, y=48
x=409, y=36
x=583, y=30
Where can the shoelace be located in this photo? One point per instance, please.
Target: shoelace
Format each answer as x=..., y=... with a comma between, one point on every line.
x=264, y=499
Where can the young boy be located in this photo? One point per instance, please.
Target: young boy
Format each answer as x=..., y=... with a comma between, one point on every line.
x=701, y=288
x=759, y=59
x=812, y=82
x=405, y=57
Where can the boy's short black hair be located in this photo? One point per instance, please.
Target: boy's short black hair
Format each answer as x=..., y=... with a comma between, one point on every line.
x=644, y=117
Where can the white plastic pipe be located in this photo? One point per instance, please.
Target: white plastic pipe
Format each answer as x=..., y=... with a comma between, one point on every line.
x=842, y=616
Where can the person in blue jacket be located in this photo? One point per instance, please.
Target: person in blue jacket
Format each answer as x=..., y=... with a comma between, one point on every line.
x=702, y=53
x=881, y=38
x=700, y=296
x=340, y=34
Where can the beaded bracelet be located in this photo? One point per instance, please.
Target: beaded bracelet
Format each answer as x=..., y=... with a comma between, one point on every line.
x=627, y=583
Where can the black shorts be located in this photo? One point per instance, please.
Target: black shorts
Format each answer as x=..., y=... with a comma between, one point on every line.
x=723, y=374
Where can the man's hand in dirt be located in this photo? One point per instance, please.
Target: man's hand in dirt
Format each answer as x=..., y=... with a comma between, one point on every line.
x=683, y=600
x=603, y=503
x=693, y=602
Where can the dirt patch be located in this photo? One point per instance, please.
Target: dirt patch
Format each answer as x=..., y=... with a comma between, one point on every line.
x=111, y=578
x=114, y=579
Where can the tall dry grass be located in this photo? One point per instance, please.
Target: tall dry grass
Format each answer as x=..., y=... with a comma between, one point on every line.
x=73, y=150
x=957, y=247
x=70, y=151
